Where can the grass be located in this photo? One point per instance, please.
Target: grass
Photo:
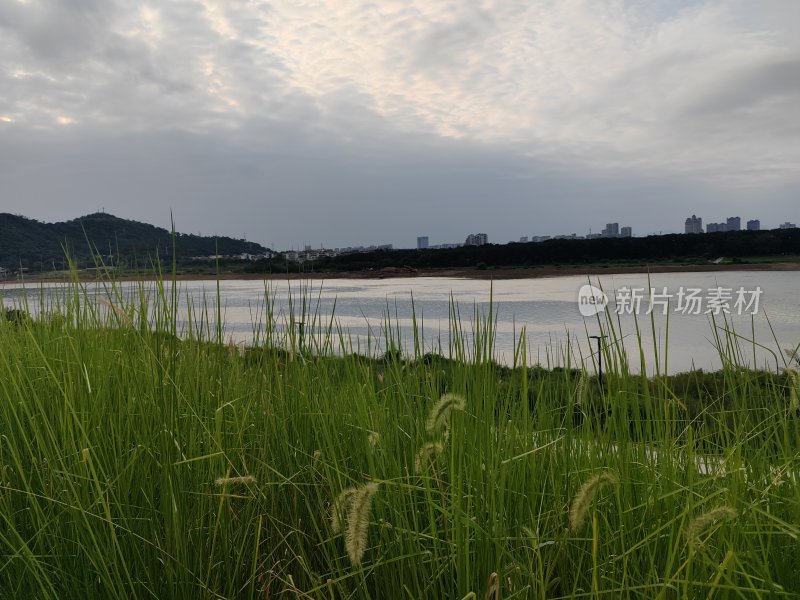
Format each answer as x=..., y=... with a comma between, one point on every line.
x=143, y=459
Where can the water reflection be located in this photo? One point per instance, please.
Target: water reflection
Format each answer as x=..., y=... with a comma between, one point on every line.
x=358, y=312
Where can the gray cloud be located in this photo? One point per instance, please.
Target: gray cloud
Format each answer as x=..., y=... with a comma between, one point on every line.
x=59, y=32
x=776, y=81
x=339, y=125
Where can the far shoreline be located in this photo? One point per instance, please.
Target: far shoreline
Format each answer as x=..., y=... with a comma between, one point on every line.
x=463, y=273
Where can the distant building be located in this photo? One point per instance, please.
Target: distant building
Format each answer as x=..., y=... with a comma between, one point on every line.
x=716, y=227
x=523, y=239
x=754, y=225
x=734, y=224
x=477, y=239
x=787, y=225
x=694, y=224
x=611, y=230
x=422, y=242
x=626, y=232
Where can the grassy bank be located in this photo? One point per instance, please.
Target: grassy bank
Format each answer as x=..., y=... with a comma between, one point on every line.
x=136, y=463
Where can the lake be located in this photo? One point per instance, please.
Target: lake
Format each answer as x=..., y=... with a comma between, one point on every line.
x=546, y=308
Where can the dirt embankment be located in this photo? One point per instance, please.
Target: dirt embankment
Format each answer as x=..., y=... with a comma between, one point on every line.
x=470, y=273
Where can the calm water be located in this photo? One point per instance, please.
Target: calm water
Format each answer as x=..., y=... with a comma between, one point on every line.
x=546, y=308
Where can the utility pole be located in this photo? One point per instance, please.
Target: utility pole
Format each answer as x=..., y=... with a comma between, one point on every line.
x=599, y=339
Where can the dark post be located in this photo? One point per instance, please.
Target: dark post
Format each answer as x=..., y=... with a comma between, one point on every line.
x=301, y=330
x=599, y=339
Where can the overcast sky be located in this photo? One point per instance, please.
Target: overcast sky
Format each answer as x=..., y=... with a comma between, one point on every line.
x=333, y=122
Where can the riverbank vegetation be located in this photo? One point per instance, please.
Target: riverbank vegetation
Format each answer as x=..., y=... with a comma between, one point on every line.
x=141, y=456
x=737, y=247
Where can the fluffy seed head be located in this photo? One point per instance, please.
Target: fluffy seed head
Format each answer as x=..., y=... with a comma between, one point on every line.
x=340, y=506
x=121, y=314
x=583, y=499
x=358, y=522
x=581, y=388
x=698, y=525
x=243, y=480
x=439, y=416
x=493, y=587
x=426, y=455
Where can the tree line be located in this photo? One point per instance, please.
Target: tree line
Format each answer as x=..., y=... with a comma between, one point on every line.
x=735, y=246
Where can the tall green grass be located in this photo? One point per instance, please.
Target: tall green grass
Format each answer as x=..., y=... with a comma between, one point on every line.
x=142, y=457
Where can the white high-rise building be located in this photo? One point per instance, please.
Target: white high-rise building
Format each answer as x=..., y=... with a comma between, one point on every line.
x=694, y=224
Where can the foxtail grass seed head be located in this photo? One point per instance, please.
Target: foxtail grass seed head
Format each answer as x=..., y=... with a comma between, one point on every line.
x=231, y=481
x=121, y=314
x=426, y=455
x=699, y=525
x=493, y=587
x=439, y=417
x=374, y=439
x=341, y=506
x=358, y=522
x=85, y=456
x=316, y=466
x=586, y=495
x=794, y=355
x=580, y=390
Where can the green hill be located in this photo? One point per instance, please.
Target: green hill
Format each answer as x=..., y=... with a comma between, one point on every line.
x=44, y=246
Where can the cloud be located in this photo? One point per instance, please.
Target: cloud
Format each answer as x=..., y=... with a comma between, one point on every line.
x=52, y=30
x=530, y=106
x=766, y=83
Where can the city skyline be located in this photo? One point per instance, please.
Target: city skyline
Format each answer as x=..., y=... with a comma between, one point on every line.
x=611, y=229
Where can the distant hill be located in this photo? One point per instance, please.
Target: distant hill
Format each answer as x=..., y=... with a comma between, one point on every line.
x=41, y=246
